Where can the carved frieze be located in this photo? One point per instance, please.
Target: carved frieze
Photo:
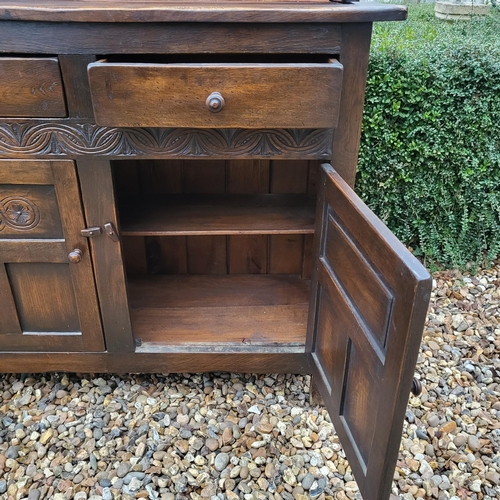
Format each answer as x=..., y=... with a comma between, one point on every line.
x=59, y=139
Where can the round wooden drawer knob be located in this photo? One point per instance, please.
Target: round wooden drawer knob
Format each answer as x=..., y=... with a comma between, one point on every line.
x=75, y=256
x=215, y=102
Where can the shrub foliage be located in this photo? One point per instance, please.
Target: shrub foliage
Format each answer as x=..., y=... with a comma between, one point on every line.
x=429, y=162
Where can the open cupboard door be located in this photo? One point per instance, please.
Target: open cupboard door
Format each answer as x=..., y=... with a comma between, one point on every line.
x=369, y=301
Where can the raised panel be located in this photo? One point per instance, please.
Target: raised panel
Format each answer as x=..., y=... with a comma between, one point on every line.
x=357, y=401
x=29, y=211
x=44, y=297
x=370, y=297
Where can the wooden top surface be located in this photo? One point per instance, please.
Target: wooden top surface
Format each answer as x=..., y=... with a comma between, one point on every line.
x=238, y=11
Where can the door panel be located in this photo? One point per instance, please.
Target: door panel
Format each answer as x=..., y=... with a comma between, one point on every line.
x=21, y=208
x=368, y=305
x=47, y=303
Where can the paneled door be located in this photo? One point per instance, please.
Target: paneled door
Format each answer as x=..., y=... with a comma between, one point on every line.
x=368, y=304
x=48, y=300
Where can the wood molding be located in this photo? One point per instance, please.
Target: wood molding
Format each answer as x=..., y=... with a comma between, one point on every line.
x=57, y=139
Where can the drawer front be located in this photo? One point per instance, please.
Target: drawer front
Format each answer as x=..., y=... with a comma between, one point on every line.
x=304, y=95
x=31, y=87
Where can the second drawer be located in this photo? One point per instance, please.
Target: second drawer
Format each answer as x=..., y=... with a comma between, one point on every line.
x=232, y=95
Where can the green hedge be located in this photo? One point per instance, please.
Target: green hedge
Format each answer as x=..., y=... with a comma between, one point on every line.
x=429, y=162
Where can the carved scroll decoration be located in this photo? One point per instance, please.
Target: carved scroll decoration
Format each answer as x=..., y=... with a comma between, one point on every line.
x=68, y=139
x=18, y=213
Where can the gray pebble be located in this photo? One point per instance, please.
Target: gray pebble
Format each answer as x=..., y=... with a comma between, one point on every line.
x=133, y=475
x=12, y=452
x=307, y=481
x=123, y=469
x=221, y=461
x=474, y=443
x=34, y=494
x=433, y=420
x=422, y=435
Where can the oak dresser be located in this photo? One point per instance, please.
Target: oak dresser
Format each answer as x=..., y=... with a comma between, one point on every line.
x=176, y=195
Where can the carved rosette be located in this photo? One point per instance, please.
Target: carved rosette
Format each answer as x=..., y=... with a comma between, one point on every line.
x=18, y=213
x=49, y=139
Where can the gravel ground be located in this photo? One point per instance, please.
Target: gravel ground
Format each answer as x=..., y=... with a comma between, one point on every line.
x=236, y=436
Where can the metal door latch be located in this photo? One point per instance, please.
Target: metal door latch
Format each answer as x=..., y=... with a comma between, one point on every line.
x=91, y=232
x=111, y=231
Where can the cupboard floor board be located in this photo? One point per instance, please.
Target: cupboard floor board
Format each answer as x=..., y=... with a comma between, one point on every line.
x=231, y=310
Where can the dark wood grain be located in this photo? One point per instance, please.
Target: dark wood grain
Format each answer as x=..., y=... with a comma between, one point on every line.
x=48, y=304
x=177, y=215
x=212, y=291
x=134, y=254
x=369, y=299
x=208, y=176
x=248, y=254
x=206, y=254
x=82, y=279
x=248, y=176
x=44, y=298
x=98, y=197
x=354, y=57
x=74, y=75
x=249, y=310
x=286, y=253
x=301, y=95
x=289, y=176
x=174, y=38
x=31, y=87
x=246, y=325
x=187, y=360
x=166, y=255
x=182, y=11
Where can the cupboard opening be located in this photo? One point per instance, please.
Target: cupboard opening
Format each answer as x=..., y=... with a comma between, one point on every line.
x=217, y=252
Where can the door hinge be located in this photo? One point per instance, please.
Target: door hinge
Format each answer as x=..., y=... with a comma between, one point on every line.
x=91, y=232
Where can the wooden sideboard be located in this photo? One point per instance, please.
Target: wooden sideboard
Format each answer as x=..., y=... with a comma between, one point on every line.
x=176, y=196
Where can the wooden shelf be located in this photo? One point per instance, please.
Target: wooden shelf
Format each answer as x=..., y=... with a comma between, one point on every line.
x=226, y=214
x=234, y=311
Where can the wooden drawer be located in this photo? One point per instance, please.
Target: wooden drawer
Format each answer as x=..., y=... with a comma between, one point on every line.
x=298, y=95
x=31, y=87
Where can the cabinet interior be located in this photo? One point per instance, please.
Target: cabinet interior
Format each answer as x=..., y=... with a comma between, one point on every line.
x=217, y=251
